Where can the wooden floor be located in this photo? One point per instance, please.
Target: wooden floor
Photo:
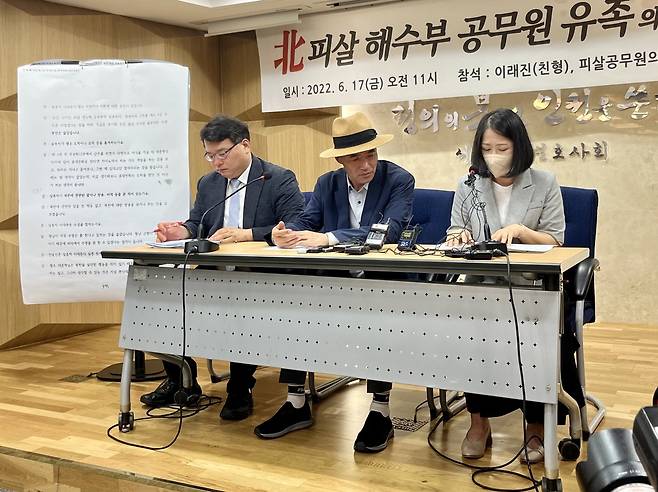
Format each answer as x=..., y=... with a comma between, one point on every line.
x=52, y=429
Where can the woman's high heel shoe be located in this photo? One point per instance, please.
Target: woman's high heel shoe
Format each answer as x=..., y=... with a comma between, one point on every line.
x=534, y=454
x=474, y=449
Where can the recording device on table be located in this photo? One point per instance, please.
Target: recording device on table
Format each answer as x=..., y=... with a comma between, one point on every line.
x=318, y=249
x=351, y=248
x=375, y=240
x=377, y=235
x=341, y=247
x=409, y=237
x=357, y=249
x=202, y=244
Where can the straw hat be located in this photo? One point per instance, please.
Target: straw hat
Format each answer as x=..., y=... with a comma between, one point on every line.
x=354, y=134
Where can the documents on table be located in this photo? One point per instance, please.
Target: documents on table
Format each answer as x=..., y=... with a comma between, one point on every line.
x=512, y=248
x=168, y=244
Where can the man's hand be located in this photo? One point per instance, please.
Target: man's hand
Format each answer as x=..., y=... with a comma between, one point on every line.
x=170, y=231
x=232, y=235
x=284, y=238
x=312, y=239
x=457, y=238
x=507, y=234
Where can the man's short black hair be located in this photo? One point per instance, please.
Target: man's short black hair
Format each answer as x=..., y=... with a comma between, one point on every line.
x=507, y=123
x=222, y=127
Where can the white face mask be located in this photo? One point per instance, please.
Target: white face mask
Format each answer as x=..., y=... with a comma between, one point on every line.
x=498, y=164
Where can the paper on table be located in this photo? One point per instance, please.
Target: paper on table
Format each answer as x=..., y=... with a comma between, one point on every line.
x=168, y=244
x=529, y=248
x=512, y=248
x=445, y=247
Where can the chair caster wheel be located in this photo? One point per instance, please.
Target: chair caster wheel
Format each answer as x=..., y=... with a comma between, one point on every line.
x=126, y=421
x=569, y=449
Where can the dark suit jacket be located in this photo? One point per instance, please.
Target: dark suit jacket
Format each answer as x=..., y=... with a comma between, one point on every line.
x=266, y=202
x=390, y=195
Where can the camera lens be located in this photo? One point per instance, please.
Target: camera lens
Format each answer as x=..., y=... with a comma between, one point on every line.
x=612, y=464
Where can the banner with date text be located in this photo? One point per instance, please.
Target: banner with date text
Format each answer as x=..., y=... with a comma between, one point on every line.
x=422, y=49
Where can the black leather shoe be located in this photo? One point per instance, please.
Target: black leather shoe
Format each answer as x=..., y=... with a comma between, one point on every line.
x=375, y=434
x=285, y=420
x=165, y=394
x=238, y=406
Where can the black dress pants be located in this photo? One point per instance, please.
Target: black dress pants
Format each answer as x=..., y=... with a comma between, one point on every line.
x=290, y=376
x=241, y=380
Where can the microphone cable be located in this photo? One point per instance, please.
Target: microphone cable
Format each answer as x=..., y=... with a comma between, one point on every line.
x=479, y=470
x=203, y=403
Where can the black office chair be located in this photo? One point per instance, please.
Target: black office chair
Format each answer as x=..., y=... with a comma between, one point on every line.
x=431, y=211
x=581, y=211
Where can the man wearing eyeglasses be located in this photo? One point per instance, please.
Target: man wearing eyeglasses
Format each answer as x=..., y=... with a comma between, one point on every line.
x=248, y=215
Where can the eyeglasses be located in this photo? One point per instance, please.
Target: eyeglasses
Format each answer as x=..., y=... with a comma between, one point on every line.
x=221, y=155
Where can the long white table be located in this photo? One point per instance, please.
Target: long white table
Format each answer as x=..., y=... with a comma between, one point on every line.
x=449, y=336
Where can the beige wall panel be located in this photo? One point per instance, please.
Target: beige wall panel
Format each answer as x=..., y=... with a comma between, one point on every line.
x=20, y=42
x=201, y=55
x=198, y=165
x=32, y=30
x=54, y=331
x=240, y=76
x=291, y=139
x=81, y=312
x=77, y=37
x=17, y=318
x=22, y=324
x=8, y=166
x=627, y=182
x=134, y=41
x=295, y=143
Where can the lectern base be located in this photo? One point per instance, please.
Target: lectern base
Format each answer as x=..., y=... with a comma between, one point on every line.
x=143, y=370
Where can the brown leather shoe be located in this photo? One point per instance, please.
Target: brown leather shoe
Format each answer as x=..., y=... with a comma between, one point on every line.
x=474, y=449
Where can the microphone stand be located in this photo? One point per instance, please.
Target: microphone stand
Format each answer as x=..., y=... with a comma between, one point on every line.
x=202, y=244
x=488, y=248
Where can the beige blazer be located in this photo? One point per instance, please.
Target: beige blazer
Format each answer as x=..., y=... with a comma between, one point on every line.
x=536, y=202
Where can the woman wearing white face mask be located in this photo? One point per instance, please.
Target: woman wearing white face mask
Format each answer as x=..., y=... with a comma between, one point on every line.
x=522, y=205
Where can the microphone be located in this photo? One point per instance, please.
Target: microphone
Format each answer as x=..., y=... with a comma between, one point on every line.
x=488, y=248
x=473, y=172
x=201, y=244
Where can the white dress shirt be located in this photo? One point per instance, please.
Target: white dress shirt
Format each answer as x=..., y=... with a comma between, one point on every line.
x=502, y=195
x=357, y=200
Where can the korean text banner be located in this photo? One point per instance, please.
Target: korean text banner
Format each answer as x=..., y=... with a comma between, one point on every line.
x=422, y=49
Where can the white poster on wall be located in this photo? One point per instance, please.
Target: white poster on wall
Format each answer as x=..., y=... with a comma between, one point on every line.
x=426, y=49
x=103, y=157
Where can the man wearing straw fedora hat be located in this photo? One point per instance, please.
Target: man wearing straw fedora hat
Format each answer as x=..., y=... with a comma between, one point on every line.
x=344, y=204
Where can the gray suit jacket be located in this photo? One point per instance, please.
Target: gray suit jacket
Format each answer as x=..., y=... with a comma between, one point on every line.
x=536, y=202
x=266, y=202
